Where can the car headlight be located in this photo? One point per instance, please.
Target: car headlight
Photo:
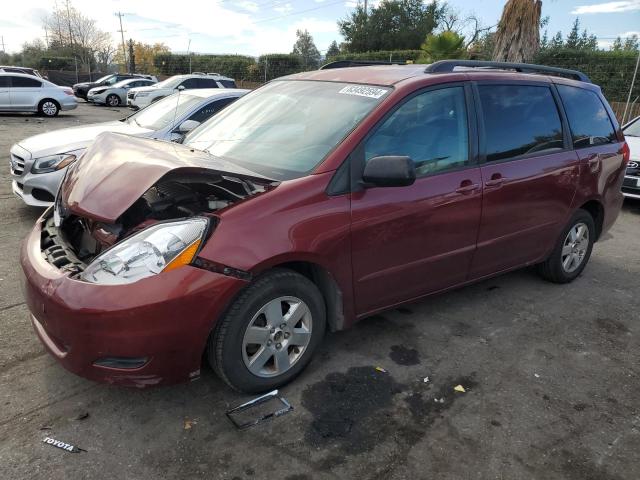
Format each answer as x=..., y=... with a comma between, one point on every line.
x=55, y=162
x=159, y=248
x=141, y=94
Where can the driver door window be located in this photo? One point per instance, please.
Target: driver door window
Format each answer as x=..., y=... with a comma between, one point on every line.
x=430, y=128
x=190, y=83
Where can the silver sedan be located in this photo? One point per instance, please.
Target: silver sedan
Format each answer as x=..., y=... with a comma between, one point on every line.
x=39, y=163
x=26, y=93
x=116, y=95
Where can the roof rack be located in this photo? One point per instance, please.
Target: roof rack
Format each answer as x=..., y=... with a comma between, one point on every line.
x=357, y=63
x=447, y=66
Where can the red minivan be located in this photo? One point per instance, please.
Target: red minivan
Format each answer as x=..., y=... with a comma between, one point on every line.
x=314, y=201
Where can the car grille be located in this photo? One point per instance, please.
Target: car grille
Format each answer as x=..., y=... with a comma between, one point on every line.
x=130, y=95
x=17, y=165
x=631, y=182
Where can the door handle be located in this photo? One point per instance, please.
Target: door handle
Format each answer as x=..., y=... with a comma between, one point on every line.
x=496, y=180
x=467, y=187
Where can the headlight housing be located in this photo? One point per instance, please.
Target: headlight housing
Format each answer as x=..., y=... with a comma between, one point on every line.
x=55, y=162
x=160, y=247
x=141, y=94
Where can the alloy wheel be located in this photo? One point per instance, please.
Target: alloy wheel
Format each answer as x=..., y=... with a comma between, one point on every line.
x=49, y=108
x=575, y=247
x=277, y=336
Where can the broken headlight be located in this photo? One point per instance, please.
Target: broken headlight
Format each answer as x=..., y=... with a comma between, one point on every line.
x=161, y=247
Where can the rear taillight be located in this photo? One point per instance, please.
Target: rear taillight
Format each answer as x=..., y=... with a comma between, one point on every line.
x=626, y=153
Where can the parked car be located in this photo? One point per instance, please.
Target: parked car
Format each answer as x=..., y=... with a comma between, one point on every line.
x=20, y=92
x=25, y=70
x=317, y=200
x=39, y=163
x=81, y=90
x=116, y=94
x=631, y=185
x=143, y=96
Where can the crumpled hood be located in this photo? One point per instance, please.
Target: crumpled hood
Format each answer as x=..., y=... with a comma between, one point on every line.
x=117, y=169
x=70, y=139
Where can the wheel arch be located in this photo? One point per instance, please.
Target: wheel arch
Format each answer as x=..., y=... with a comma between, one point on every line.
x=595, y=208
x=45, y=99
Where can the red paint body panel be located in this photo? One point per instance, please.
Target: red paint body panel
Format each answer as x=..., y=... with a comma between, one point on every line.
x=529, y=209
x=166, y=318
x=382, y=246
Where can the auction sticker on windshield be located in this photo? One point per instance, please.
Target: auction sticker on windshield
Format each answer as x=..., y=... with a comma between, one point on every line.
x=364, y=91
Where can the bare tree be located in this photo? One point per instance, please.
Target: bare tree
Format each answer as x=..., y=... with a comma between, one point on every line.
x=78, y=35
x=518, y=35
x=468, y=26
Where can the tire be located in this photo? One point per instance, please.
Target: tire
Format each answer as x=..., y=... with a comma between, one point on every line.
x=571, y=254
x=48, y=108
x=113, y=100
x=252, y=367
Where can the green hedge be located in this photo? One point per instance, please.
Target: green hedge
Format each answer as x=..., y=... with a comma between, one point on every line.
x=613, y=71
x=235, y=66
x=56, y=63
x=382, y=55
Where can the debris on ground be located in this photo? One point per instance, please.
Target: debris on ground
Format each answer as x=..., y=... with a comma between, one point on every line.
x=239, y=417
x=63, y=445
x=189, y=423
x=425, y=379
x=536, y=375
x=380, y=369
x=439, y=400
x=82, y=416
x=459, y=388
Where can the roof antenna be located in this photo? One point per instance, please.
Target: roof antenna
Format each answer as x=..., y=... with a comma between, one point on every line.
x=175, y=111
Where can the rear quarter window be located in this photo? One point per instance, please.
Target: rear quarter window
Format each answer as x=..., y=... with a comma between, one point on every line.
x=24, y=82
x=519, y=120
x=227, y=83
x=588, y=118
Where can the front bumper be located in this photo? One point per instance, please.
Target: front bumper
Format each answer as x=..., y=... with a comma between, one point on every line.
x=631, y=186
x=164, y=319
x=97, y=98
x=38, y=189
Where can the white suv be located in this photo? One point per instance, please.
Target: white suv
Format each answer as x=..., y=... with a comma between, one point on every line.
x=142, y=96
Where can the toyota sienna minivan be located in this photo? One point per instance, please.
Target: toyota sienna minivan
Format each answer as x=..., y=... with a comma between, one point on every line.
x=312, y=202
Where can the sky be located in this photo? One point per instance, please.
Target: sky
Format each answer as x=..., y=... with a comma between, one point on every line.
x=255, y=27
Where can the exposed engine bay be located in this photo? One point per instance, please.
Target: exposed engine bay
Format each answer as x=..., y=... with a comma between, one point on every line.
x=78, y=240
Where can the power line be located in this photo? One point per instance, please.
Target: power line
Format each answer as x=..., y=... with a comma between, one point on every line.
x=298, y=12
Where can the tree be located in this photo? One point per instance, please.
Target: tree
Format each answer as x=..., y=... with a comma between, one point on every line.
x=617, y=45
x=132, y=57
x=631, y=44
x=557, y=41
x=73, y=34
x=333, y=49
x=305, y=47
x=444, y=45
x=573, y=39
x=392, y=25
x=145, y=57
x=518, y=34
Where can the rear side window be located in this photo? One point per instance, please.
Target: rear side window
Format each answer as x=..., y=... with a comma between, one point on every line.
x=519, y=120
x=4, y=82
x=588, y=119
x=24, y=82
x=206, y=112
x=227, y=83
x=207, y=83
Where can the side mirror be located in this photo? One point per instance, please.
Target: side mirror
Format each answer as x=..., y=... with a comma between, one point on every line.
x=389, y=171
x=187, y=126
x=181, y=87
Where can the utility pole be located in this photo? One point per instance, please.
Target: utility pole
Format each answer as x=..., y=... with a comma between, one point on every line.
x=365, y=8
x=124, y=48
x=189, y=54
x=2, y=43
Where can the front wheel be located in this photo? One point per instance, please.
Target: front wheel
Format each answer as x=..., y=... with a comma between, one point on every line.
x=269, y=333
x=113, y=100
x=572, y=251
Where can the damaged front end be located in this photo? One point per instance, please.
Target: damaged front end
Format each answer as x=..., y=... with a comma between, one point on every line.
x=118, y=235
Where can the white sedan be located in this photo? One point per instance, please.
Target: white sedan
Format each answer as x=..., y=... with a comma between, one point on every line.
x=116, y=95
x=38, y=163
x=26, y=93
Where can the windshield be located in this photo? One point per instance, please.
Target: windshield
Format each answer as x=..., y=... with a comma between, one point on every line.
x=102, y=79
x=286, y=128
x=171, y=82
x=161, y=114
x=633, y=130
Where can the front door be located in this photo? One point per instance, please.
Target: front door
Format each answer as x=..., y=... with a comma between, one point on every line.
x=409, y=241
x=529, y=172
x=25, y=93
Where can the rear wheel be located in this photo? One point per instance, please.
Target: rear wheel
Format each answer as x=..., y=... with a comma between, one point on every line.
x=113, y=100
x=48, y=108
x=269, y=333
x=572, y=251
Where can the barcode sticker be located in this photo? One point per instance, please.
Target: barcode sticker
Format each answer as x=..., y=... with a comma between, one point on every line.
x=364, y=91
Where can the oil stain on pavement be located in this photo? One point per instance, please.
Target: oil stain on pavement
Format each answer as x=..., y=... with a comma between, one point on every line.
x=404, y=356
